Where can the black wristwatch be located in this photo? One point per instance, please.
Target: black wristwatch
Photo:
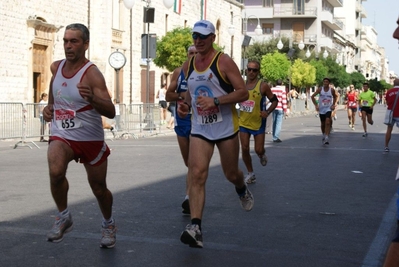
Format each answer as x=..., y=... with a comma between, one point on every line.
x=216, y=101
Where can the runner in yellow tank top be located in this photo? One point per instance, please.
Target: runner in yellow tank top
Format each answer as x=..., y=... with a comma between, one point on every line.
x=253, y=118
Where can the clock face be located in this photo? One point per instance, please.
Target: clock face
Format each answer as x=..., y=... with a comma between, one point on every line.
x=117, y=60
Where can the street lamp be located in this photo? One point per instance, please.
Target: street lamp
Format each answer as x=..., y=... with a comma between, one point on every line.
x=258, y=31
x=308, y=52
x=148, y=18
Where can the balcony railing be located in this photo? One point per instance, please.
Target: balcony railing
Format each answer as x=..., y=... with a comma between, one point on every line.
x=289, y=11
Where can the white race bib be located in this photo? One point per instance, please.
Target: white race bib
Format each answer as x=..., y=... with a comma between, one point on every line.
x=247, y=106
x=209, y=116
x=65, y=119
x=326, y=102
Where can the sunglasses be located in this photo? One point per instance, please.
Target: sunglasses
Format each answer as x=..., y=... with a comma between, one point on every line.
x=252, y=69
x=197, y=35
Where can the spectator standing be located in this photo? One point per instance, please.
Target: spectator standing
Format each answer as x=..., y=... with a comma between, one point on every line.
x=43, y=123
x=280, y=110
x=390, y=98
x=392, y=256
x=162, y=102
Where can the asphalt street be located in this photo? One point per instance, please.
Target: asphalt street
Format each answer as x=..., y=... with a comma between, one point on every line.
x=314, y=205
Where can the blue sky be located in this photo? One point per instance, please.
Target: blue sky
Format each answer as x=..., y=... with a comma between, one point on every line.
x=382, y=15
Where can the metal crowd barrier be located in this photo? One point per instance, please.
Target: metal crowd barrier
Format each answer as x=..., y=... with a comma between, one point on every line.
x=22, y=121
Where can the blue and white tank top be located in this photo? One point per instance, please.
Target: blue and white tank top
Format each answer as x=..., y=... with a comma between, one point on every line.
x=218, y=122
x=181, y=88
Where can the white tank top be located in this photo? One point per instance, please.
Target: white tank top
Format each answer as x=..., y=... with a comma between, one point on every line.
x=74, y=117
x=218, y=122
x=325, y=101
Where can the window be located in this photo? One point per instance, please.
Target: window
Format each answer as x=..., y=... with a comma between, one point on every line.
x=299, y=7
x=267, y=28
x=268, y=3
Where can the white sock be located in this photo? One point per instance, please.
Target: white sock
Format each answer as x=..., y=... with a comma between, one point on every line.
x=64, y=213
x=106, y=223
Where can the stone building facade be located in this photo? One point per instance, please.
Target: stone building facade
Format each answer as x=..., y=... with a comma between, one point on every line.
x=33, y=38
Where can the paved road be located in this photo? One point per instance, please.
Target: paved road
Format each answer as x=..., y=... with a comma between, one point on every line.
x=314, y=205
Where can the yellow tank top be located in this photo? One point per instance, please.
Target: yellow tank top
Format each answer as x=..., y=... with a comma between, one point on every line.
x=250, y=109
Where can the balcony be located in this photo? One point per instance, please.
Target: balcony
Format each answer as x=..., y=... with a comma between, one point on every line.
x=361, y=10
x=290, y=12
x=336, y=3
x=328, y=19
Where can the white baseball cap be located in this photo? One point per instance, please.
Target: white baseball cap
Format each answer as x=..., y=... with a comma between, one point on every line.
x=204, y=27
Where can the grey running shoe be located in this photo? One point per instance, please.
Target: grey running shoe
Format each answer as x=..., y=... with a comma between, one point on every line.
x=108, y=239
x=60, y=227
x=192, y=236
x=263, y=160
x=250, y=179
x=386, y=149
x=247, y=201
x=326, y=142
x=365, y=134
x=186, y=206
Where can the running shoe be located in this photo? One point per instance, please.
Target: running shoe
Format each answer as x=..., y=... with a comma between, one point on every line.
x=108, y=239
x=386, y=149
x=247, y=200
x=365, y=134
x=186, y=206
x=326, y=142
x=250, y=179
x=353, y=127
x=192, y=236
x=60, y=227
x=263, y=160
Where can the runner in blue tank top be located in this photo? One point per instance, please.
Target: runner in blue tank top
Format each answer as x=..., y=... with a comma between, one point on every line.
x=176, y=92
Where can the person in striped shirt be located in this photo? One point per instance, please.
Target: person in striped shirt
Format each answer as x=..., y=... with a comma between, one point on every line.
x=279, y=111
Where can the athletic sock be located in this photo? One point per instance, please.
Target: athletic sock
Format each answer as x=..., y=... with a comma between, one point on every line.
x=197, y=222
x=64, y=214
x=241, y=191
x=109, y=222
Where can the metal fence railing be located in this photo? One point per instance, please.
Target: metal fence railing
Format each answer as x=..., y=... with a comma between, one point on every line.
x=22, y=121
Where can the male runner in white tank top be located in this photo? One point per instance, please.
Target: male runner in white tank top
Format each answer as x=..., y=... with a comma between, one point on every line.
x=214, y=87
x=78, y=97
x=327, y=102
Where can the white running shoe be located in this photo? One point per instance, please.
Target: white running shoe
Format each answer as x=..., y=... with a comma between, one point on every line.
x=108, y=239
x=247, y=201
x=250, y=178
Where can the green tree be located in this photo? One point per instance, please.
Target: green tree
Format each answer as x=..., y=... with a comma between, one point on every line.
x=321, y=70
x=171, y=50
x=275, y=66
x=303, y=74
x=357, y=79
x=337, y=73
